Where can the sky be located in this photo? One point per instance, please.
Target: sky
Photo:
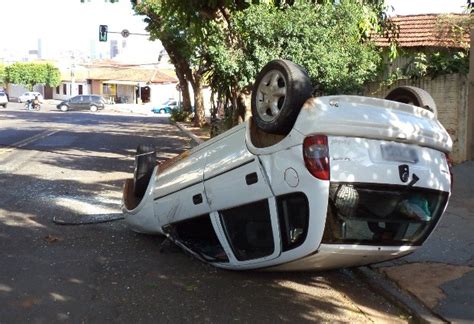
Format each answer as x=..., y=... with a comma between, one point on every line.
x=69, y=26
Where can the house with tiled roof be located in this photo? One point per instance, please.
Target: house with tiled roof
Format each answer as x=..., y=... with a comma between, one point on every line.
x=429, y=30
x=118, y=83
x=427, y=34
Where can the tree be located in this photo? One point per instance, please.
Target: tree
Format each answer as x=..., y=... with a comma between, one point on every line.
x=224, y=43
x=2, y=74
x=31, y=74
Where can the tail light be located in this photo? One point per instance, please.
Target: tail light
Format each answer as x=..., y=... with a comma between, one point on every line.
x=316, y=156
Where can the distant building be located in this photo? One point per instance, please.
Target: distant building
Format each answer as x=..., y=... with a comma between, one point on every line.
x=114, y=50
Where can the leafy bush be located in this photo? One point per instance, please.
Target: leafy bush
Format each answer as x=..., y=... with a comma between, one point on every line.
x=179, y=115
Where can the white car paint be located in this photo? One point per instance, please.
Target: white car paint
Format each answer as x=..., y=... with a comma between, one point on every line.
x=29, y=96
x=357, y=128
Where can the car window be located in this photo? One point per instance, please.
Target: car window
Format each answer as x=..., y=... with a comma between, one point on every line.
x=248, y=229
x=198, y=235
x=293, y=216
x=76, y=99
x=381, y=214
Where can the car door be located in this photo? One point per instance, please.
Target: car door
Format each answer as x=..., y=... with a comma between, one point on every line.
x=242, y=202
x=74, y=102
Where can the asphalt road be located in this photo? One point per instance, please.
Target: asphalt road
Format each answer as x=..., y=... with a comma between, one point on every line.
x=71, y=167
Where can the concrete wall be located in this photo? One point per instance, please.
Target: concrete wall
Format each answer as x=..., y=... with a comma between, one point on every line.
x=450, y=93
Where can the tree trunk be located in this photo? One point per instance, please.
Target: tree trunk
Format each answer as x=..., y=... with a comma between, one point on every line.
x=199, y=118
x=184, y=87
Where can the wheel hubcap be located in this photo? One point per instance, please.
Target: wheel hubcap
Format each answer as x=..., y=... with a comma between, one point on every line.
x=271, y=95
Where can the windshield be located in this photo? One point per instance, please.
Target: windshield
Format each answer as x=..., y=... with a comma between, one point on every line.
x=381, y=214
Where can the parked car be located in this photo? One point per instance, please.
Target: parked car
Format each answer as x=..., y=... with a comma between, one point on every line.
x=80, y=102
x=3, y=99
x=30, y=95
x=166, y=107
x=307, y=183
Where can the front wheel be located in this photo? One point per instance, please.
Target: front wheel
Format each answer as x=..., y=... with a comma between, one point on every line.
x=413, y=96
x=145, y=162
x=93, y=108
x=64, y=108
x=280, y=90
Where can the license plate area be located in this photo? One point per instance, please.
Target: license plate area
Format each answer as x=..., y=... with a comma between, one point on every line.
x=398, y=153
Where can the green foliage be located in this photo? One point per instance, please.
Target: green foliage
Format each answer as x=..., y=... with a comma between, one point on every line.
x=431, y=65
x=225, y=43
x=179, y=115
x=2, y=74
x=30, y=74
x=325, y=39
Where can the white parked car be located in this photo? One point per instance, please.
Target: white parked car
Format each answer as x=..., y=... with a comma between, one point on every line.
x=3, y=99
x=307, y=183
x=30, y=95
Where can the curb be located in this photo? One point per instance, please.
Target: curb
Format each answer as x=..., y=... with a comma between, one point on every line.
x=388, y=289
x=195, y=139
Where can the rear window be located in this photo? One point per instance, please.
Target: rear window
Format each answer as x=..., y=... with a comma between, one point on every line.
x=382, y=215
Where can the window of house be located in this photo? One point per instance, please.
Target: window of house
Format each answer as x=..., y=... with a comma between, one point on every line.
x=249, y=230
x=64, y=88
x=80, y=89
x=58, y=90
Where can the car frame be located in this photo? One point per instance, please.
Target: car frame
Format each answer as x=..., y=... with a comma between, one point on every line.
x=166, y=107
x=92, y=103
x=30, y=95
x=3, y=99
x=307, y=183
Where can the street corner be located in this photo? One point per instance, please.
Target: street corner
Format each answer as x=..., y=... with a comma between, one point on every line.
x=448, y=290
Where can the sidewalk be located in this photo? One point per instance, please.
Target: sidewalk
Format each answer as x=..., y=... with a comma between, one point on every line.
x=440, y=275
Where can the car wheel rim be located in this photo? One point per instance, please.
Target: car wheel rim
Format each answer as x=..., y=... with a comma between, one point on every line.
x=271, y=95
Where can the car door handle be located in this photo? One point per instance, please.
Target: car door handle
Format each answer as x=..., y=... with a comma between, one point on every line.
x=197, y=199
x=251, y=178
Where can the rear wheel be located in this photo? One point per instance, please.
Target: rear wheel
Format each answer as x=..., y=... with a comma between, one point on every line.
x=280, y=90
x=145, y=162
x=413, y=96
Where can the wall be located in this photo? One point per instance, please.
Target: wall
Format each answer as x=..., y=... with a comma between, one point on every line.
x=470, y=119
x=450, y=93
x=16, y=90
x=71, y=91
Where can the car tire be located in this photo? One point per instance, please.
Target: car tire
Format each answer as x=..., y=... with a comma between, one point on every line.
x=4, y=105
x=93, y=108
x=280, y=90
x=64, y=108
x=145, y=162
x=413, y=96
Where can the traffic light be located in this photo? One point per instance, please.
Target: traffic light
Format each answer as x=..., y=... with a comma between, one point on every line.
x=103, y=33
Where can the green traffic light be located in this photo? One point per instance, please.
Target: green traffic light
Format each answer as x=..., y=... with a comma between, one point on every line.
x=103, y=33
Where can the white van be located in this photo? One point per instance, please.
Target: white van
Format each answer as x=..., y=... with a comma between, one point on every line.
x=307, y=183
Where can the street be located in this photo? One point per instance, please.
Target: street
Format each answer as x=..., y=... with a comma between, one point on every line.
x=70, y=168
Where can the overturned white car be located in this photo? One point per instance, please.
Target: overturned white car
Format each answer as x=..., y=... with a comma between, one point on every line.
x=308, y=183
